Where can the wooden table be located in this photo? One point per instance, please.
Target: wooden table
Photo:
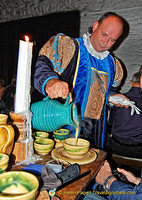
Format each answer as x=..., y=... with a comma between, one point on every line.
x=74, y=190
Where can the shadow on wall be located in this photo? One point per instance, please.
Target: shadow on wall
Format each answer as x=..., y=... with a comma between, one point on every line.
x=124, y=35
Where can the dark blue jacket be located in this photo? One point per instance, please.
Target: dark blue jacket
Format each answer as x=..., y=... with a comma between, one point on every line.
x=127, y=127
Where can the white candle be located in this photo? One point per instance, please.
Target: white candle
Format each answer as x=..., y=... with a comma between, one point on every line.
x=23, y=79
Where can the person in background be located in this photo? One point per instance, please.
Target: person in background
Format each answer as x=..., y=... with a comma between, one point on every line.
x=84, y=69
x=9, y=96
x=125, y=129
x=2, y=89
x=119, y=190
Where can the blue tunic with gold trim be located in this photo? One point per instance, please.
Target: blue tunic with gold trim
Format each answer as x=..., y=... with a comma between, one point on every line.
x=88, y=73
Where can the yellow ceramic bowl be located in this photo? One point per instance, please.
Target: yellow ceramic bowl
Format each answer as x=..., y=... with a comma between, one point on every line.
x=43, y=145
x=4, y=159
x=18, y=185
x=42, y=134
x=79, y=147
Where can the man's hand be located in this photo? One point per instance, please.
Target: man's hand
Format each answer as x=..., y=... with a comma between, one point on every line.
x=56, y=88
x=119, y=104
x=131, y=178
x=104, y=172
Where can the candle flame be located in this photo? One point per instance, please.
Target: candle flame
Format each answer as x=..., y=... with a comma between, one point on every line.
x=26, y=38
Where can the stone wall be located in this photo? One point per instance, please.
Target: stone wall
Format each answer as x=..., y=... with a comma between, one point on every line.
x=90, y=10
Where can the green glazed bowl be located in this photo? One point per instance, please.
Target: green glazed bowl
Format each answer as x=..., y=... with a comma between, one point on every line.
x=18, y=185
x=43, y=145
x=61, y=134
x=39, y=134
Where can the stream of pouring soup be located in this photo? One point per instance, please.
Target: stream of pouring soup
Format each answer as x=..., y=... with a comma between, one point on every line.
x=76, y=134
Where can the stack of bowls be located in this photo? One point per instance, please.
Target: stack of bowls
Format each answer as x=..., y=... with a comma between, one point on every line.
x=42, y=144
x=18, y=185
x=59, y=136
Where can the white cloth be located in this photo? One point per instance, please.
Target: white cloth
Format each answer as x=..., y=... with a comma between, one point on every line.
x=123, y=101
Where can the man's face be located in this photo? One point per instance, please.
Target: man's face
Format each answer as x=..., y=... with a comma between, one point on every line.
x=104, y=35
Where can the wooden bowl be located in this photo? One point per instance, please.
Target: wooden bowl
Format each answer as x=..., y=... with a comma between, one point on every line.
x=43, y=145
x=18, y=185
x=72, y=147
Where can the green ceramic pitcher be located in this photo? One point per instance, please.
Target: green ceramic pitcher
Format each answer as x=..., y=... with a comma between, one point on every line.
x=50, y=115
